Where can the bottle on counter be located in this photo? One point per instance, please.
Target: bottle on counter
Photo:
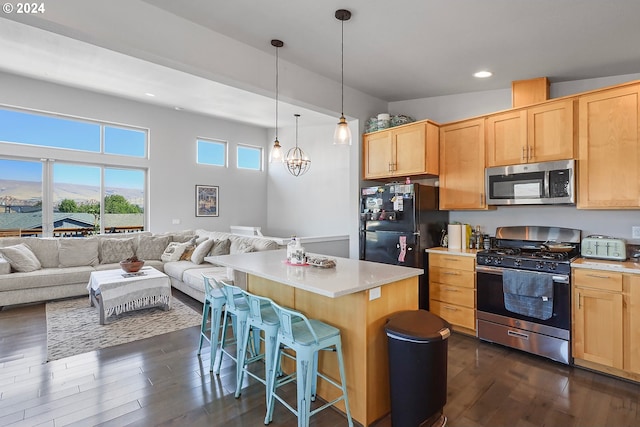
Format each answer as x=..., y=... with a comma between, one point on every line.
x=291, y=247
x=479, y=238
x=298, y=256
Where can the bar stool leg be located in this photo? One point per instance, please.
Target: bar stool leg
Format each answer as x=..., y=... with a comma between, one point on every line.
x=216, y=316
x=304, y=380
x=203, y=326
x=343, y=381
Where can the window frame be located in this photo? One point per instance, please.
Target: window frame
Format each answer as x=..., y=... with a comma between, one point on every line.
x=251, y=147
x=213, y=141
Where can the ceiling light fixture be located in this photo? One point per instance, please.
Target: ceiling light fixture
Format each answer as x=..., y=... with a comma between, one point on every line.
x=342, y=135
x=483, y=74
x=297, y=162
x=275, y=156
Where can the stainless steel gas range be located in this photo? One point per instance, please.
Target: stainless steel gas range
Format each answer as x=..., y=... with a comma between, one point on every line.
x=524, y=289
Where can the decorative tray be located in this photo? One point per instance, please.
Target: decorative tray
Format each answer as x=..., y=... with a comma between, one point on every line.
x=321, y=262
x=136, y=274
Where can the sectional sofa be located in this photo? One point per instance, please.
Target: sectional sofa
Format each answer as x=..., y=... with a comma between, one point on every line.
x=36, y=269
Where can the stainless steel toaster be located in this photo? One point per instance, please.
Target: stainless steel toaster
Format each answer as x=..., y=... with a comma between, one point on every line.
x=604, y=247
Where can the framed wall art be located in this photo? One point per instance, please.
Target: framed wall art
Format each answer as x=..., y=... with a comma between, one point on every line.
x=207, y=200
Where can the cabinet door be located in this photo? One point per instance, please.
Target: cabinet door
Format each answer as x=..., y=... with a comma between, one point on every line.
x=377, y=156
x=410, y=150
x=551, y=131
x=609, y=149
x=632, y=323
x=462, y=165
x=507, y=138
x=598, y=327
x=416, y=149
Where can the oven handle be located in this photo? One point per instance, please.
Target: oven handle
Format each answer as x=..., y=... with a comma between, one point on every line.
x=558, y=278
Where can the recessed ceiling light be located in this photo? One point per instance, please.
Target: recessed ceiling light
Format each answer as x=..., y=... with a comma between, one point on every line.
x=483, y=74
x=149, y=94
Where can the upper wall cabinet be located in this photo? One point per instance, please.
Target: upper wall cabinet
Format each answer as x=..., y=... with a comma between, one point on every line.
x=609, y=158
x=407, y=150
x=462, y=165
x=541, y=133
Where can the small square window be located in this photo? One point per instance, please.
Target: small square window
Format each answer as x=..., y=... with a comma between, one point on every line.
x=249, y=157
x=212, y=152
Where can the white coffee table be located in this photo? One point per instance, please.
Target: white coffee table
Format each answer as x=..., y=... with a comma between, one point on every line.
x=115, y=291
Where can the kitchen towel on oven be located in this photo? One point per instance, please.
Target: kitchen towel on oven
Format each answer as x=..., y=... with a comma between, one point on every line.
x=528, y=293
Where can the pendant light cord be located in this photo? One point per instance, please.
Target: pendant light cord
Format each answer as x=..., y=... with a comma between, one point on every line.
x=277, y=92
x=342, y=72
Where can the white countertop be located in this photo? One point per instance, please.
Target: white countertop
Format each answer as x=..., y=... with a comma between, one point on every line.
x=348, y=277
x=600, y=264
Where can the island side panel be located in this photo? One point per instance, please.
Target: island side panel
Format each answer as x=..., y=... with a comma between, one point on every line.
x=395, y=297
x=347, y=313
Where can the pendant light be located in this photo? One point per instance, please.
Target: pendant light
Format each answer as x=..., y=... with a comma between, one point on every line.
x=276, y=155
x=297, y=162
x=342, y=135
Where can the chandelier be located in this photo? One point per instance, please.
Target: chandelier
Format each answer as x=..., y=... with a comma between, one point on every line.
x=297, y=162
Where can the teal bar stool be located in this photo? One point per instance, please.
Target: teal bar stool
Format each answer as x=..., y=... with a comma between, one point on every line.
x=212, y=310
x=262, y=317
x=306, y=337
x=236, y=308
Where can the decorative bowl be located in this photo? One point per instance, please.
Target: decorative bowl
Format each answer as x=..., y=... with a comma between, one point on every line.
x=131, y=266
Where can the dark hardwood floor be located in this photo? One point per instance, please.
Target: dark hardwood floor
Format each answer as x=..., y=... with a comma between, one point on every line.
x=161, y=382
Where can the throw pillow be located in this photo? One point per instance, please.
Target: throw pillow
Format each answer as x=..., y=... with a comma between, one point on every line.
x=174, y=251
x=221, y=247
x=21, y=258
x=186, y=255
x=244, y=248
x=114, y=250
x=201, y=251
x=78, y=252
x=151, y=247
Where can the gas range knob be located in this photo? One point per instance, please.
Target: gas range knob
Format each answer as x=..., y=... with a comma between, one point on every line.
x=552, y=266
x=539, y=265
x=517, y=262
x=498, y=261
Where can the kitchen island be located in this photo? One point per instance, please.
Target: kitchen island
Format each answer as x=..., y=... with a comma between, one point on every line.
x=357, y=297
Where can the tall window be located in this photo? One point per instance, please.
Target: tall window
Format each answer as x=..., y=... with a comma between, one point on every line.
x=20, y=196
x=212, y=152
x=60, y=197
x=249, y=157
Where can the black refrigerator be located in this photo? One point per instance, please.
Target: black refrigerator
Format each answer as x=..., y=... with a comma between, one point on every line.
x=397, y=223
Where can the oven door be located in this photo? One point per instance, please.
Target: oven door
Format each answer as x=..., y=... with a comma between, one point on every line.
x=490, y=299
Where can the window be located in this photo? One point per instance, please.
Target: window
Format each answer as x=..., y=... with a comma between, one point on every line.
x=126, y=142
x=249, y=157
x=211, y=152
x=60, y=196
x=21, y=127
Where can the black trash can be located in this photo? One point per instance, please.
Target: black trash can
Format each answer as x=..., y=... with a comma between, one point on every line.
x=417, y=342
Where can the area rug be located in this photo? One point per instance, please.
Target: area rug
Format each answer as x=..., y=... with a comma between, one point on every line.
x=73, y=326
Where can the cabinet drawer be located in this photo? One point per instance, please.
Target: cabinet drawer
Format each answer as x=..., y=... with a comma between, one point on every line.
x=598, y=279
x=452, y=294
x=450, y=276
x=454, y=314
x=466, y=263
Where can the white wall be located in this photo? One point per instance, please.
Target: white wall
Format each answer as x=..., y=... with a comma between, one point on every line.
x=444, y=109
x=317, y=203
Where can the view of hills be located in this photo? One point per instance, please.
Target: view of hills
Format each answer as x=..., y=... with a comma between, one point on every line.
x=29, y=192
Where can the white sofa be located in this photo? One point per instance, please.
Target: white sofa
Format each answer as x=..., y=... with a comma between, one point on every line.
x=62, y=266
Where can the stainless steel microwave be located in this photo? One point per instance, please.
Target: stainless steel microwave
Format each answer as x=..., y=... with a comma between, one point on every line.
x=547, y=183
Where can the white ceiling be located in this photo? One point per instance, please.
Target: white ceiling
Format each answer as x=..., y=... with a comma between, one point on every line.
x=394, y=50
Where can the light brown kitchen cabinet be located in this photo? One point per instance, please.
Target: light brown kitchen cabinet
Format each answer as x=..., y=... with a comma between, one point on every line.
x=408, y=150
x=597, y=317
x=609, y=149
x=452, y=290
x=631, y=338
x=462, y=160
x=544, y=132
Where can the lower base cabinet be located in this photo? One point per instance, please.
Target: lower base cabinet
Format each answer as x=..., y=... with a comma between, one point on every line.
x=606, y=322
x=452, y=290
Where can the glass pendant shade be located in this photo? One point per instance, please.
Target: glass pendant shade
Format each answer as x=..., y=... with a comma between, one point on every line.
x=276, y=155
x=296, y=161
x=342, y=135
